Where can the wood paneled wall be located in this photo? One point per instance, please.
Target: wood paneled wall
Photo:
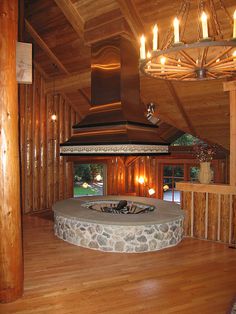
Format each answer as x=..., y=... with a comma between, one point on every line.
x=210, y=211
x=115, y=176
x=123, y=173
x=45, y=177
x=210, y=216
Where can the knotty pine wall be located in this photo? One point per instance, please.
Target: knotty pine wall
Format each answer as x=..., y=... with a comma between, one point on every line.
x=116, y=176
x=45, y=177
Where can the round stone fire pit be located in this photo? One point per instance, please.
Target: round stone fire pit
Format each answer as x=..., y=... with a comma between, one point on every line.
x=109, y=224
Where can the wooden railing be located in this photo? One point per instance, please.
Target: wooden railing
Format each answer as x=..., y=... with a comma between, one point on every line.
x=210, y=211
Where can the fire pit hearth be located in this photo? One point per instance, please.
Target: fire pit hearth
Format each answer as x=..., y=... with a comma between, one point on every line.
x=119, y=207
x=84, y=222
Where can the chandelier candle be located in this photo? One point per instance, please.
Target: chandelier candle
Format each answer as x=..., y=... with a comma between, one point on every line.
x=234, y=30
x=204, y=25
x=176, y=30
x=142, y=48
x=155, y=38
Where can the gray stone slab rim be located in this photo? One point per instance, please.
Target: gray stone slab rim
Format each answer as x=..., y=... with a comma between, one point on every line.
x=164, y=212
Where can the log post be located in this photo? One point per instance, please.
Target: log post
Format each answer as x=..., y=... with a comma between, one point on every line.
x=231, y=87
x=11, y=261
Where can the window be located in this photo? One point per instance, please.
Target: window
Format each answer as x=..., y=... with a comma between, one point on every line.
x=193, y=173
x=185, y=140
x=89, y=179
x=171, y=175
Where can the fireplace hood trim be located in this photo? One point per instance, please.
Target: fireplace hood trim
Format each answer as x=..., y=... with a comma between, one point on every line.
x=114, y=149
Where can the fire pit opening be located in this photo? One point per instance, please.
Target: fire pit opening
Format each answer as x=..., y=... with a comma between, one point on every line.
x=119, y=207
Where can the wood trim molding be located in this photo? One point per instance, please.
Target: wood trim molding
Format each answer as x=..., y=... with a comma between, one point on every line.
x=206, y=188
x=229, y=86
x=132, y=17
x=72, y=15
x=69, y=83
x=44, y=46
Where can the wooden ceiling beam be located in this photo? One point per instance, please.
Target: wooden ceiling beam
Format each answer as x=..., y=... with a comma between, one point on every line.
x=132, y=17
x=44, y=46
x=72, y=15
x=181, y=108
x=85, y=96
x=69, y=83
x=106, y=30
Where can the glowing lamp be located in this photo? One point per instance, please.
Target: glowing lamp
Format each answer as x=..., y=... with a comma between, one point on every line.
x=204, y=25
x=165, y=187
x=142, y=48
x=155, y=38
x=234, y=30
x=176, y=30
x=85, y=185
x=151, y=191
x=98, y=177
x=141, y=180
x=54, y=117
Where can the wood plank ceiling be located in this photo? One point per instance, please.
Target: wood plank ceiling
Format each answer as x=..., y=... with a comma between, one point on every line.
x=63, y=30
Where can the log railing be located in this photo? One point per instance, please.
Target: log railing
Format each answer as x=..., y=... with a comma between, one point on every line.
x=210, y=211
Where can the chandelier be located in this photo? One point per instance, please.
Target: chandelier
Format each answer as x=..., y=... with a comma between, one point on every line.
x=206, y=59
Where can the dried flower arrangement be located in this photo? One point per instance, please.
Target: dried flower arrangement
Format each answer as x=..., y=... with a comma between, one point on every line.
x=204, y=152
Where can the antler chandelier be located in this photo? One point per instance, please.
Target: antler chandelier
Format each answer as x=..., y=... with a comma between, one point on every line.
x=207, y=59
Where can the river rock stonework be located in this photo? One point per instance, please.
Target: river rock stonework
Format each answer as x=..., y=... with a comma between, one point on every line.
x=116, y=238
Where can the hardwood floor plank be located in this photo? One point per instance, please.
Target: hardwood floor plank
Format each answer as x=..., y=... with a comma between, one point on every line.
x=194, y=277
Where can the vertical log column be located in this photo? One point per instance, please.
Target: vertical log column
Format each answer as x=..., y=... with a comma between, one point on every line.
x=11, y=262
x=231, y=87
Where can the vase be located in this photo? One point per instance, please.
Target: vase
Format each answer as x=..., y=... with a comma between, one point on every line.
x=205, y=175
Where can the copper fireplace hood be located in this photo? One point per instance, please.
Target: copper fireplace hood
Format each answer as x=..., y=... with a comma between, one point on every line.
x=116, y=123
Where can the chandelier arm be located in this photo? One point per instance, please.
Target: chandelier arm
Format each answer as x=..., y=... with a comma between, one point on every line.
x=186, y=64
x=179, y=74
x=224, y=61
x=186, y=76
x=211, y=74
x=224, y=69
x=170, y=74
x=224, y=65
x=167, y=66
x=187, y=57
x=164, y=70
x=218, y=56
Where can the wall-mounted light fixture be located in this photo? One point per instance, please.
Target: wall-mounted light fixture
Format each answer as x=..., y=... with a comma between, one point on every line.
x=54, y=117
x=141, y=180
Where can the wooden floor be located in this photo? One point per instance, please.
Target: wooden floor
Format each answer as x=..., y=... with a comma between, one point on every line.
x=194, y=277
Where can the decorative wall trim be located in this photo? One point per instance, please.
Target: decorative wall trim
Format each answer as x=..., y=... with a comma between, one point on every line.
x=116, y=149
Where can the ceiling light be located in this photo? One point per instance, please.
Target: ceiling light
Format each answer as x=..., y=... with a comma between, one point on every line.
x=214, y=57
